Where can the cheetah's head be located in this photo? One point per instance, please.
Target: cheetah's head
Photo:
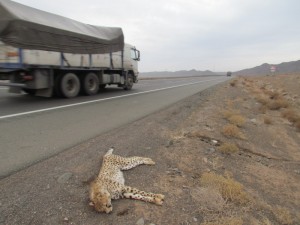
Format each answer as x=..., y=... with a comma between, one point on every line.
x=101, y=200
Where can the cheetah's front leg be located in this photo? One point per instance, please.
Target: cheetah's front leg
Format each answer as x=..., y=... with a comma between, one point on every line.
x=133, y=193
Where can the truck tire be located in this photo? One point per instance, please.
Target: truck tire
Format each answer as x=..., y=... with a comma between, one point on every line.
x=129, y=82
x=69, y=85
x=90, y=84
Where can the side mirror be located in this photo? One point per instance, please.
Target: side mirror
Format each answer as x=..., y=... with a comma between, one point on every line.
x=138, y=55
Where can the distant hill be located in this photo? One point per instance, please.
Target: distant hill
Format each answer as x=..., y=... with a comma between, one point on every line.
x=264, y=69
x=181, y=73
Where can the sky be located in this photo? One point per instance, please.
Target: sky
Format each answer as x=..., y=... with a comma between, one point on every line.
x=216, y=35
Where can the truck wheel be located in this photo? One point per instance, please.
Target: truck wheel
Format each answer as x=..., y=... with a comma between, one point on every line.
x=128, y=83
x=69, y=85
x=90, y=84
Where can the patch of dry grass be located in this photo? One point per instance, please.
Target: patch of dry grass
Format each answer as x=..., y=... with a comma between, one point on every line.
x=263, y=100
x=234, y=117
x=265, y=221
x=231, y=130
x=237, y=120
x=267, y=120
x=291, y=115
x=297, y=125
x=225, y=221
x=233, y=83
x=228, y=148
x=282, y=215
x=230, y=189
x=278, y=104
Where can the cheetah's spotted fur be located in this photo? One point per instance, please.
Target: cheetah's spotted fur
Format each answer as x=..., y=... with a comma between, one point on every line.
x=110, y=183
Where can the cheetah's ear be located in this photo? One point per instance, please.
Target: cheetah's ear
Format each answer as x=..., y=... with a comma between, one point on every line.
x=91, y=204
x=110, y=151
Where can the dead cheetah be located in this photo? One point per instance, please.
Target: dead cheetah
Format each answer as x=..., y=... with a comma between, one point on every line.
x=110, y=183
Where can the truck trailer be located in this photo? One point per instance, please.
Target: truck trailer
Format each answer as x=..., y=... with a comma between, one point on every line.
x=44, y=54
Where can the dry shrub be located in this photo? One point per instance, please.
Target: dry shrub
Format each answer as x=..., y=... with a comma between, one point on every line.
x=231, y=130
x=228, y=148
x=265, y=221
x=230, y=189
x=282, y=215
x=290, y=115
x=237, y=120
x=297, y=125
x=225, y=221
x=267, y=120
x=278, y=104
x=233, y=83
x=273, y=94
x=263, y=100
x=229, y=112
x=234, y=117
x=263, y=109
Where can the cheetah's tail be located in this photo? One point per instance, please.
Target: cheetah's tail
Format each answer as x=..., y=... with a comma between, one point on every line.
x=109, y=152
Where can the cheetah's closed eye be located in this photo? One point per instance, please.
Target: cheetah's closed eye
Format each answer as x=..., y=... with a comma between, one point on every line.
x=110, y=183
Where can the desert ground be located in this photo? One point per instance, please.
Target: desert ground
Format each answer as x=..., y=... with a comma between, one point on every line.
x=229, y=155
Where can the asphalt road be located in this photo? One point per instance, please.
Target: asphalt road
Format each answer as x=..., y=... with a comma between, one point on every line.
x=33, y=129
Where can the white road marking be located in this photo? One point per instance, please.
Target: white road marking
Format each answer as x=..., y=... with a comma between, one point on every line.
x=99, y=100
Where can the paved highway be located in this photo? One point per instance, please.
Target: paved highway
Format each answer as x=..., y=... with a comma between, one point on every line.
x=33, y=129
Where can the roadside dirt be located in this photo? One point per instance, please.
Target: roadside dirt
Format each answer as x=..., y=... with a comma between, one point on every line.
x=229, y=155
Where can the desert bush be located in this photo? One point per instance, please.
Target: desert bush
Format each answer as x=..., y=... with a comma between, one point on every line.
x=263, y=109
x=290, y=115
x=267, y=120
x=229, y=112
x=228, y=148
x=273, y=94
x=297, y=125
x=230, y=189
x=278, y=104
x=265, y=221
x=233, y=83
x=263, y=100
x=225, y=221
x=237, y=120
x=231, y=130
x=282, y=215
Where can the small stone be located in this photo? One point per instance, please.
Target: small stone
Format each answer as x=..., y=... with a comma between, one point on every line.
x=297, y=171
x=141, y=221
x=254, y=121
x=48, y=186
x=210, y=150
x=205, y=160
x=214, y=142
x=66, y=219
x=64, y=178
x=195, y=219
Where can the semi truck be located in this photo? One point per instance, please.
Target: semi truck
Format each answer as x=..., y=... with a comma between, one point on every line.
x=44, y=54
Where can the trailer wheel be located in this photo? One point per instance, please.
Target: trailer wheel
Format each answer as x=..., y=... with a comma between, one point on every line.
x=69, y=85
x=90, y=84
x=129, y=82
